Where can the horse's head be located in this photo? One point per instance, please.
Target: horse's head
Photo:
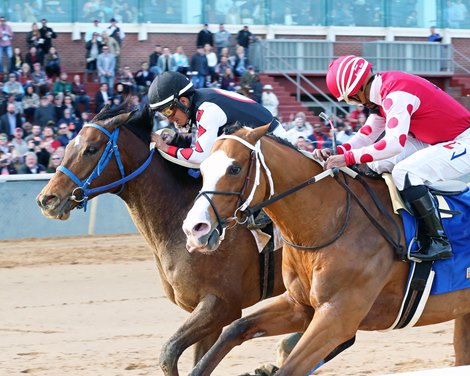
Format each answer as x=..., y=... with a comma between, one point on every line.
x=233, y=178
x=92, y=160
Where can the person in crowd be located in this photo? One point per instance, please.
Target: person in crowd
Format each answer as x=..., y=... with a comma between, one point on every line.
x=106, y=67
x=47, y=34
x=222, y=65
x=6, y=165
x=303, y=144
x=49, y=139
x=269, y=100
x=209, y=110
x=222, y=39
x=211, y=62
x=256, y=91
x=115, y=32
x=126, y=78
x=247, y=79
x=300, y=129
x=10, y=120
x=345, y=132
x=353, y=117
x=52, y=63
x=153, y=60
x=19, y=143
x=62, y=85
x=143, y=78
x=31, y=165
x=33, y=38
x=16, y=61
x=55, y=160
x=120, y=92
x=227, y=80
x=114, y=49
x=70, y=105
x=319, y=138
x=94, y=28
x=30, y=102
x=181, y=60
x=5, y=42
x=83, y=120
x=240, y=62
x=24, y=75
x=39, y=80
x=425, y=139
x=64, y=133
x=80, y=93
x=93, y=49
x=199, y=68
x=34, y=56
x=434, y=36
x=36, y=133
x=45, y=112
x=4, y=143
x=244, y=38
x=166, y=62
x=205, y=36
x=59, y=106
x=14, y=88
x=102, y=96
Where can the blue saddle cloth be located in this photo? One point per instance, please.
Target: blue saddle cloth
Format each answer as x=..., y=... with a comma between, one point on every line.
x=452, y=274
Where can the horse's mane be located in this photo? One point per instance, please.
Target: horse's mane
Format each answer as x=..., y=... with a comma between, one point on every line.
x=231, y=129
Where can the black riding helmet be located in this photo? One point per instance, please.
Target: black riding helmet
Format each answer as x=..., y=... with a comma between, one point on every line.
x=167, y=88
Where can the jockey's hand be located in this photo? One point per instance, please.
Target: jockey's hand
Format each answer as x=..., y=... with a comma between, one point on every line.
x=322, y=154
x=335, y=161
x=159, y=142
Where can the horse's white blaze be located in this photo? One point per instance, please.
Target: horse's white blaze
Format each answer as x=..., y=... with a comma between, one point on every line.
x=77, y=141
x=213, y=168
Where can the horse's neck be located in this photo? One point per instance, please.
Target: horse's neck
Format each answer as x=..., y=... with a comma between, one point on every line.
x=318, y=203
x=158, y=202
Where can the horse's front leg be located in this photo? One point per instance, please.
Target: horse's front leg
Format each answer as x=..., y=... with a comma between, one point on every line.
x=203, y=326
x=282, y=315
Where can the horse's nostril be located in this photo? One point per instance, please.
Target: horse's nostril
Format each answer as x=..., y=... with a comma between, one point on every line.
x=48, y=200
x=201, y=227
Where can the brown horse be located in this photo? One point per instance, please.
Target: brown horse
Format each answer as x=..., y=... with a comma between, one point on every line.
x=213, y=287
x=353, y=281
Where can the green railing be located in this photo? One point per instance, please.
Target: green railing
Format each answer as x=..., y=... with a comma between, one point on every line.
x=365, y=13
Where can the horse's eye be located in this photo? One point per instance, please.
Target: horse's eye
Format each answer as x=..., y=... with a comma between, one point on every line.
x=234, y=170
x=90, y=150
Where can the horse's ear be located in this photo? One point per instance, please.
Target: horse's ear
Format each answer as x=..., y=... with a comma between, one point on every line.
x=257, y=133
x=118, y=120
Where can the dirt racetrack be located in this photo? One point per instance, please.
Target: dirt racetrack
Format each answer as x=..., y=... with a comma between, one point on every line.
x=93, y=305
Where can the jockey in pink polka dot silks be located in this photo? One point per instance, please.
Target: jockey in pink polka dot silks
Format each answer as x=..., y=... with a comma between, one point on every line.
x=426, y=138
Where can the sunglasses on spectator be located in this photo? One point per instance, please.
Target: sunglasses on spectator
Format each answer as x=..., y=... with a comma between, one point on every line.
x=169, y=111
x=56, y=158
x=62, y=127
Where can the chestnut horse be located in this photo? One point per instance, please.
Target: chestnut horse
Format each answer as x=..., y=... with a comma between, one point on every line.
x=350, y=280
x=213, y=287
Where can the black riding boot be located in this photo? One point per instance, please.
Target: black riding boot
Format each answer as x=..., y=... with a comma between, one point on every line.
x=433, y=242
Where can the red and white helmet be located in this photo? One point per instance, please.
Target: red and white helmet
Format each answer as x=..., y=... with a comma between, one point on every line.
x=346, y=75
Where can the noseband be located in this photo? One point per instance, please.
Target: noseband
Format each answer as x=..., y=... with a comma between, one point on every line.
x=257, y=159
x=81, y=193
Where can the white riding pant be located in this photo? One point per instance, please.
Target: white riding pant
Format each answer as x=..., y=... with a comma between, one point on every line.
x=426, y=164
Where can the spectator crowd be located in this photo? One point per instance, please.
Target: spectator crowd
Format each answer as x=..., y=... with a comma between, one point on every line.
x=42, y=108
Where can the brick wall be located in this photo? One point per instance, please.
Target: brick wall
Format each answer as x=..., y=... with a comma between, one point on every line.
x=133, y=51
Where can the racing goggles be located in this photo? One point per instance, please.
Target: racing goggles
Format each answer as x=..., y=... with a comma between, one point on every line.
x=169, y=111
x=353, y=100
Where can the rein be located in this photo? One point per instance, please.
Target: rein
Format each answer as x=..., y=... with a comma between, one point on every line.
x=110, y=150
x=256, y=149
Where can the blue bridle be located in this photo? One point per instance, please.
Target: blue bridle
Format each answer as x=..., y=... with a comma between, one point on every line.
x=110, y=150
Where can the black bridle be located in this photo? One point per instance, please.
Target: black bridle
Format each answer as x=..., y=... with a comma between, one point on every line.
x=256, y=154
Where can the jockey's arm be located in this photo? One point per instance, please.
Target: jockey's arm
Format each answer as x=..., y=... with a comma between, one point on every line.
x=363, y=147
